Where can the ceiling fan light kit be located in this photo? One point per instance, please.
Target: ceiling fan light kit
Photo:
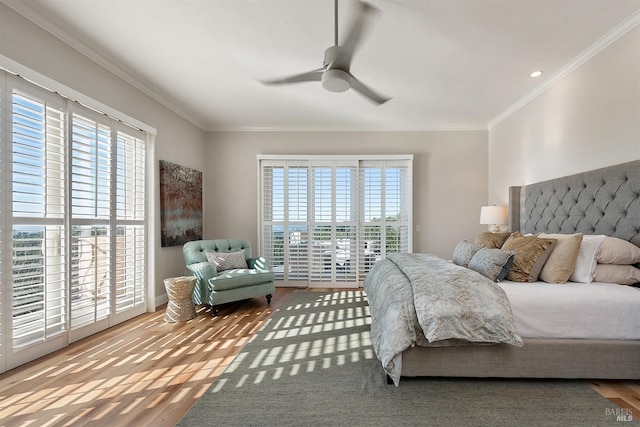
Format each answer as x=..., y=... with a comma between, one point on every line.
x=335, y=74
x=336, y=80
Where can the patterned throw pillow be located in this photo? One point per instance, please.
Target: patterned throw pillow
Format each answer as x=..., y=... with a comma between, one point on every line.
x=463, y=253
x=227, y=260
x=492, y=263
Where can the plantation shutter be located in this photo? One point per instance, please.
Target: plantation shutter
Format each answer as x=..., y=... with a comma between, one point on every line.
x=322, y=225
x=334, y=222
x=329, y=219
x=91, y=159
x=295, y=224
x=386, y=210
x=272, y=229
x=39, y=300
x=130, y=253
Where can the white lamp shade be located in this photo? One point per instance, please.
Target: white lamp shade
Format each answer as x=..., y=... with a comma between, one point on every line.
x=494, y=215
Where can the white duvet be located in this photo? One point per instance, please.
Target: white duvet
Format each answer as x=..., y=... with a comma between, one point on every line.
x=574, y=310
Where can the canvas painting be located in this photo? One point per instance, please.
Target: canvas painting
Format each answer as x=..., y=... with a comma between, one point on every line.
x=180, y=204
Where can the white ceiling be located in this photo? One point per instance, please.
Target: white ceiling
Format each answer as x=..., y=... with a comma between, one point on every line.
x=447, y=64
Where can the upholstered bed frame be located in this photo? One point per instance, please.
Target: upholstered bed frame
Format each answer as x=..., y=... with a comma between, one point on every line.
x=604, y=201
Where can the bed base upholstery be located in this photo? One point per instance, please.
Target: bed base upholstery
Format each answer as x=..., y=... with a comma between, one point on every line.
x=538, y=358
x=603, y=201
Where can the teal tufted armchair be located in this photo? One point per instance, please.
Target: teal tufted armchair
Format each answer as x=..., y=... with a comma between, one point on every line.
x=213, y=287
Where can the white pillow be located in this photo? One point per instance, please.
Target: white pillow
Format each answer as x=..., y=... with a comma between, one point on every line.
x=586, y=262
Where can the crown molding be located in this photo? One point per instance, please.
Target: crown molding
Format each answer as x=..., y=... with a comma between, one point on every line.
x=46, y=23
x=597, y=47
x=357, y=128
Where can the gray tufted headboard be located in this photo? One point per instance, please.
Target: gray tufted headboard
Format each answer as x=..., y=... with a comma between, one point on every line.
x=602, y=201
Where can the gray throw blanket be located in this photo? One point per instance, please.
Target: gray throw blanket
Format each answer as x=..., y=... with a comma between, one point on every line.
x=424, y=300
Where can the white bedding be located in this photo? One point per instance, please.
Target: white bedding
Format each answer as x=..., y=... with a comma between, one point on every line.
x=574, y=310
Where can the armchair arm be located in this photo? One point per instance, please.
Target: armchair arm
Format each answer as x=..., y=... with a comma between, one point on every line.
x=203, y=272
x=259, y=263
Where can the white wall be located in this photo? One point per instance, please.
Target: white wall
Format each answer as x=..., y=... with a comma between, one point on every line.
x=177, y=140
x=589, y=119
x=450, y=178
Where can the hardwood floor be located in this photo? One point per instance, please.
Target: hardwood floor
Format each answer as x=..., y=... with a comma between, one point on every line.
x=146, y=372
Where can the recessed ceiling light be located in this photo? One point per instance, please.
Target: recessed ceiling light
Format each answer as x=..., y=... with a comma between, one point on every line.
x=536, y=73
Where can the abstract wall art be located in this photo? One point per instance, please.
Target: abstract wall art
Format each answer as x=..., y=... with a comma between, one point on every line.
x=180, y=204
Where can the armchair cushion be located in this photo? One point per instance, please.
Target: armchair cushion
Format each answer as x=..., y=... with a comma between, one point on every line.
x=239, y=278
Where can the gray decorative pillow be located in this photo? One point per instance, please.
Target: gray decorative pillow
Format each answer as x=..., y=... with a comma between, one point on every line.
x=463, y=253
x=227, y=260
x=492, y=263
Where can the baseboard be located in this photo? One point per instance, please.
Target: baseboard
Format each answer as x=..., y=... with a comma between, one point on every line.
x=161, y=300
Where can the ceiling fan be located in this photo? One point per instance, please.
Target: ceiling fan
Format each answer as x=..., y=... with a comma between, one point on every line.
x=335, y=74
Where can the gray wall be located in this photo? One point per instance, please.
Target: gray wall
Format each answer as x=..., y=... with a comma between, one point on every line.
x=589, y=119
x=449, y=178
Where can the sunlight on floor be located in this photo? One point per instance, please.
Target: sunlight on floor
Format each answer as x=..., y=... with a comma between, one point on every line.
x=101, y=385
x=329, y=313
x=104, y=379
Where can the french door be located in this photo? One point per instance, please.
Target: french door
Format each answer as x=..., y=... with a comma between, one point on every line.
x=73, y=238
x=326, y=220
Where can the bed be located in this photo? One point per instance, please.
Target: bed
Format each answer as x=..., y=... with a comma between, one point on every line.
x=603, y=202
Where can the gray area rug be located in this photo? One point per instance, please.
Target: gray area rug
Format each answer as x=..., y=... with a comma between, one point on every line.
x=313, y=364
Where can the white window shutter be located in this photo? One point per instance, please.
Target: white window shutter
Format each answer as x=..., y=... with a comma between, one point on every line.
x=91, y=158
x=39, y=300
x=130, y=196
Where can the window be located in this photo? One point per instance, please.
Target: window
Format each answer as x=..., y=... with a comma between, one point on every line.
x=75, y=194
x=328, y=219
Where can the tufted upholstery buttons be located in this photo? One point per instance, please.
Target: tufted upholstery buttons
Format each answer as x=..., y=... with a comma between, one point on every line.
x=602, y=201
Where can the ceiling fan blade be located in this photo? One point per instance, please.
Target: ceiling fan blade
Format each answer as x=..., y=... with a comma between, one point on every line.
x=358, y=86
x=366, y=13
x=310, y=76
